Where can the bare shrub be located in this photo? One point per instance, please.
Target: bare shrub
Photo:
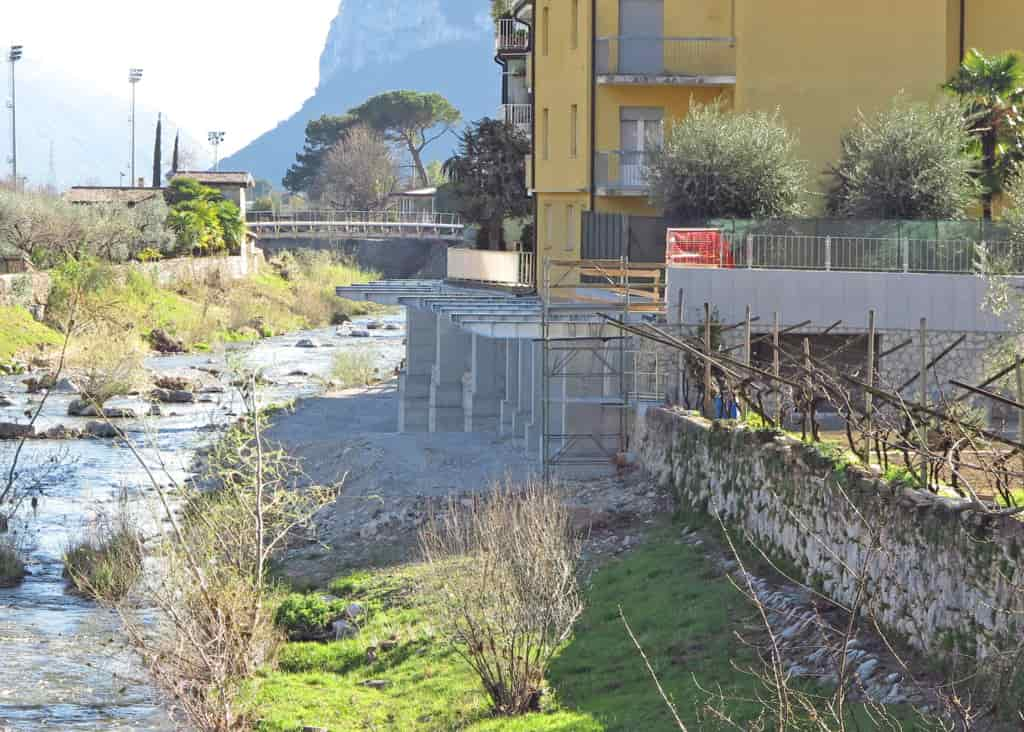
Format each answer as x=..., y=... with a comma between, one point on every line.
x=107, y=363
x=12, y=568
x=212, y=591
x=354, y=368
x=504, y=574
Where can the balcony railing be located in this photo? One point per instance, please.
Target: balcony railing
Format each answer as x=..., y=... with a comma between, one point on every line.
x=512, y=36
x=509, y=269
x=520, y=115
x=866, y=254
x=622, y=172
x=671, y=60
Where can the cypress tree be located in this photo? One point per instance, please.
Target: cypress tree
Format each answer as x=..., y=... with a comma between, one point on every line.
x=158, y=153
x=174, y=157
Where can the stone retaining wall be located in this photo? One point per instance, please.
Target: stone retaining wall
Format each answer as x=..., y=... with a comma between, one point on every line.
x=947, y=581
x=31, y=290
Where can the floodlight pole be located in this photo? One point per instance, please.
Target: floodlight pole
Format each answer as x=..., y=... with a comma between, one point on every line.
x=134, y=77
x=13, y=57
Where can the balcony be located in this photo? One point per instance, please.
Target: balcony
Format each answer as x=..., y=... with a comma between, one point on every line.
x=512, y=37
x=621, y=173
x=518, y=115
x=666, y=61
x=504, y=269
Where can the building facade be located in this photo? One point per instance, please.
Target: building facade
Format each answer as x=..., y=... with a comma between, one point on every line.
x=606, y=78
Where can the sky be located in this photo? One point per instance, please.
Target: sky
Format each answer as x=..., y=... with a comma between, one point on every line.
x=240, y=66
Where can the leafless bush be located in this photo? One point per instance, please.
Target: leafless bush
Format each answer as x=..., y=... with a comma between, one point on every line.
x=107, y=363
x=210, y=585
x=504, y=576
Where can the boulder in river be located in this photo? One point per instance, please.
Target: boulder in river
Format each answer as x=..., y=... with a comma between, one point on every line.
x=102, y=430
x=161, y=342
x=172, y=383
x=374, y=325
x=82, y=408
x=36, y=384
x=60, y=432
x=65, y=386
x=392, y=326
x=11, y=431
x=307, y=343
x=5, y=402
x=358, y=333
x=173, y=396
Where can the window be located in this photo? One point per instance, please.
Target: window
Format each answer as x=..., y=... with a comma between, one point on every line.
x=574, y=143
x=570, y=228
x=575, y=20
x=546, y=132
x=545, y=30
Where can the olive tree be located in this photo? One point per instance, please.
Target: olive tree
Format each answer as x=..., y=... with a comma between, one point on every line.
x=910, y=161
x=716, y=163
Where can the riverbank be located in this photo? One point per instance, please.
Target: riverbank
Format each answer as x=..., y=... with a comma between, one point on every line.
x=285, y=295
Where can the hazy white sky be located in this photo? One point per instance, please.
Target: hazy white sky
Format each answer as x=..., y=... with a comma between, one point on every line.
x=233, y=65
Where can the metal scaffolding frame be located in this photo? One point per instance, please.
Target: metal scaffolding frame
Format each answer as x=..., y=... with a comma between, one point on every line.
x=580, y=345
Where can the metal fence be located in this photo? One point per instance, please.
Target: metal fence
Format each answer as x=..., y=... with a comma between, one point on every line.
x=512, y=36
x=662, y=56
x=866, y=254
x=520, y=115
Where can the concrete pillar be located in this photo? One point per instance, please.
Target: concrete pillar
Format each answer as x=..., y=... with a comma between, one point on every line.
x=414, y=381
x=484, y=384
x=453, y=350
x=510, y=403
x=535, y=424
x=524, y=404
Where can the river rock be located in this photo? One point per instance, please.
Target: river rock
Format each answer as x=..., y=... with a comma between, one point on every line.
x=11, y=431
x=173, y=396
x=307, y=343
x=161, y=342
x=344, y=629
x=373, y=325
x=60, y=432
x=82, y=408
x=102, y=430
x=36, y=384
x=173, y=383
x=359, y=333
x=155, y=411
x=5, y=402
x=65, y=386
x=392, y=326
x=119, y=413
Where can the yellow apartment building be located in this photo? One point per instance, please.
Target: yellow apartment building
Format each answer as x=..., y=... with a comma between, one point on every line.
x=607, y=77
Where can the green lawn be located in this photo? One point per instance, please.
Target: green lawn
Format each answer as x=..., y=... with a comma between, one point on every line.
x=19, y=331
x=682, y=612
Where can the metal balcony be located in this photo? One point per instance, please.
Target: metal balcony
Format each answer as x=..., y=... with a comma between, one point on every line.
x=621, y=173
x=667, y=61
x=519, y=115
x=513, y=37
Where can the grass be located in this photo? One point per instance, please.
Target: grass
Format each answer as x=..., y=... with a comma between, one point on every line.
x=106, y=565
x=12, y=569
x=354, y=368
x=20, y=332
x=684, y=614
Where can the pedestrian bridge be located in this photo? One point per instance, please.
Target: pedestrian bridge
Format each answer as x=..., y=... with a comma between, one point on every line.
x=321, y=224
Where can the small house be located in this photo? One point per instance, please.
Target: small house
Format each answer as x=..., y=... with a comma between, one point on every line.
x=234, y=186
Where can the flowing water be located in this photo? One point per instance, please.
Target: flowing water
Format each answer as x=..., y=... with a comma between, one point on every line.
x=62, y=663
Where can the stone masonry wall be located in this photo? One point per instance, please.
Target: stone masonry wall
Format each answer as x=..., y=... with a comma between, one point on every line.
x=32, y=289
x=947, y=581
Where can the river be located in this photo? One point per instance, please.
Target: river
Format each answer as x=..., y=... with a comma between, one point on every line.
x=62, y=663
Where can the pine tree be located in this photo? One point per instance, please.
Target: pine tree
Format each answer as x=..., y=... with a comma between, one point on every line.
x=174, y=157
x=158, y=152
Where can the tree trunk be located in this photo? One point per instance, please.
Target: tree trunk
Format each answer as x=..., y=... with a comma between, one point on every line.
x=496, y=231
x=418, y=162
x=989, y=143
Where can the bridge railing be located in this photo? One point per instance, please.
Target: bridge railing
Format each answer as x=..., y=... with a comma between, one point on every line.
x=324, y=217
x=511, y=269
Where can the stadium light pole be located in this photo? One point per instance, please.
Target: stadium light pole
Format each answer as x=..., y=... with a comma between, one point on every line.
x=134, y=77
x=13, y=56
x=216, y=138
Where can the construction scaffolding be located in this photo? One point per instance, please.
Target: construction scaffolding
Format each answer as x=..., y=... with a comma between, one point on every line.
x=586, y=361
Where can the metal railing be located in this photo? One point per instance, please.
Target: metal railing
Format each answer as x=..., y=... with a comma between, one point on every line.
x=864, y=254
x=520, y=115
x=678, y=57
x=512, y=36
x=622, y=170
x=512, y=269
x=368, y=223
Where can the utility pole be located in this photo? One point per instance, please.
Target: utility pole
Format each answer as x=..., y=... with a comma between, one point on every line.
x=134, y=77
x=216, y=138
x=13, y=57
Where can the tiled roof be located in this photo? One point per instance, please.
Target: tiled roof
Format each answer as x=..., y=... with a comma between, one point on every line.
x=100, y=194
x=218, y=178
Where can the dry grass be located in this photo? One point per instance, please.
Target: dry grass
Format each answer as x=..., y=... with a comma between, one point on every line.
x=107, y=562
x=354, y=368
